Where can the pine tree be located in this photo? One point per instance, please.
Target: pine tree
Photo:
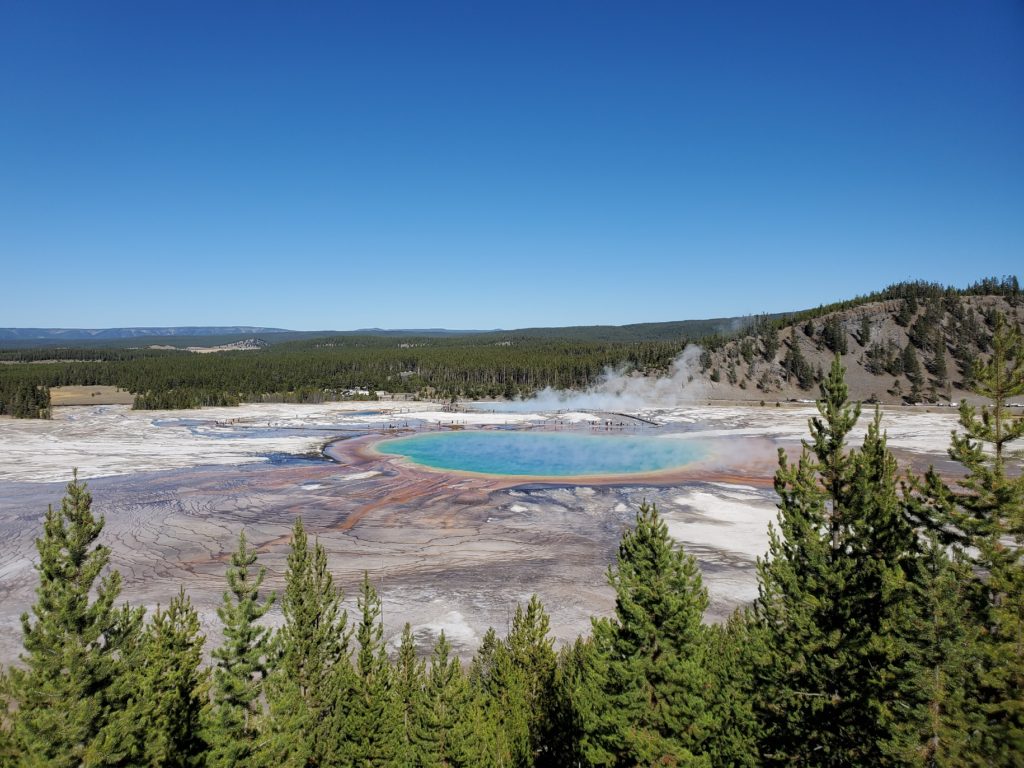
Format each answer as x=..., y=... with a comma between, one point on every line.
x=943, y=726
x=161, y=723
x=796, y=365
x=240, y=663
x=864, y=332
x=912, y=369
x=833, y=597
x=882, y=571
x=987, y=513
x=489, y=729
x=367, y=730
x=8, y=751
x=446, y=702
x=730, y=654
x=833, y=334
x=312, y=642
x=409, y=680
x=770, y=339
x=573, y=694
x=505, y=696
x=76, y=645
x=529, y=653
x=478, y=741
x=653, y=708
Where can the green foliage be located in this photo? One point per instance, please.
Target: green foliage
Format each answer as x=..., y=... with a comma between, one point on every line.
x=835, y=588
x=446, y=695
x=986, y=514
x=409, y=686
x=331, y=368
x=833, y=335
x=653, y=708
x=796, y=366
x=368, y=731
x=240, y=663
x=76, y=642
x=512, y=684
x=730, y=655
x=864, y=331
x=160, y=723
x=942, y=724
x=309, y=649
x=24, y=400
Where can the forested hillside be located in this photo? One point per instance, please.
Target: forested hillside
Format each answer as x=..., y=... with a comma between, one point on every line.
x=911, y=343
x=887, y=632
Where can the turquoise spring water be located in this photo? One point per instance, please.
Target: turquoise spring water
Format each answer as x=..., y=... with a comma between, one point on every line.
x=544, y=454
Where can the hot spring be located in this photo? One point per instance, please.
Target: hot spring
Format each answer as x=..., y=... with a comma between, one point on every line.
x=545, y=454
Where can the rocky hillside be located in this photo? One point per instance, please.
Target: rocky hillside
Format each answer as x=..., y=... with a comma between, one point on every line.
x=912, y=343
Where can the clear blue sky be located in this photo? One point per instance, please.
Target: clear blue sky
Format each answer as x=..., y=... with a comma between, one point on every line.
x=477, y=165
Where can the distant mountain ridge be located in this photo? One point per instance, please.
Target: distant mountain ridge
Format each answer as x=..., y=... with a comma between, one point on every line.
x=76, y=334
x=185, y=336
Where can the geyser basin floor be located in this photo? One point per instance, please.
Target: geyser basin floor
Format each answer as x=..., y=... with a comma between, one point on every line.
x=545, y=454
x=447, y=551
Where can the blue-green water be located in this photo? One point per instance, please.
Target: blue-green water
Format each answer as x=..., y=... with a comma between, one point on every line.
x=544, y=454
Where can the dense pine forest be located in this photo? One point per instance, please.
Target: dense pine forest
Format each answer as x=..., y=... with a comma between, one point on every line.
x=888, y=631
x=310, y=372
x=24, y=399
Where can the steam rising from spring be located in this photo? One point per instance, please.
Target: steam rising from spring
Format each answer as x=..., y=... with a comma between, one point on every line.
x=618, y=390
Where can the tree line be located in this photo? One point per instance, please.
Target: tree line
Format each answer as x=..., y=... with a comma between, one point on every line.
x=887, y=632
x=430, y=367
x=24, y=400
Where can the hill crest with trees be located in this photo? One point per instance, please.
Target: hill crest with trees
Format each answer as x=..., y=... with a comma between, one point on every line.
x=912, y=343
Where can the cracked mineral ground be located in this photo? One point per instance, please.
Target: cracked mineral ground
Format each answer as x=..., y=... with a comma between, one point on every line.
x=449, y=551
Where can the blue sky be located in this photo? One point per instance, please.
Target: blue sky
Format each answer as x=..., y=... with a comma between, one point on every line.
x=478, y=165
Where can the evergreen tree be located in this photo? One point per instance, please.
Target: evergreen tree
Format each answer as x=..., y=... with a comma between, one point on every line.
x=833, y=597
x=908, y=308
x=313, y=640
x=368, y=732
x=489, y=729
x=409, y=686
x=912, y=369
x=652, y=709
x=573, y=695
x=8, y=751
x=494, y=728
x=796, y=365
x=770, y=339
x=864, y=332
x=161, y=722
x=240, y=663
x=478, y=741
x=944, y=725
x=730, y=654
x=986, y=511
x=833, y=334
x=76, y=645
x=446, y=700
x=529, y=650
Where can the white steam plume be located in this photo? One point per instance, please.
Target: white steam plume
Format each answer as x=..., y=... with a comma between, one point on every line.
x=620, y=391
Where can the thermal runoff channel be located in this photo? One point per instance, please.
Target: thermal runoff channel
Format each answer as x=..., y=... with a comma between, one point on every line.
x=541, y=454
